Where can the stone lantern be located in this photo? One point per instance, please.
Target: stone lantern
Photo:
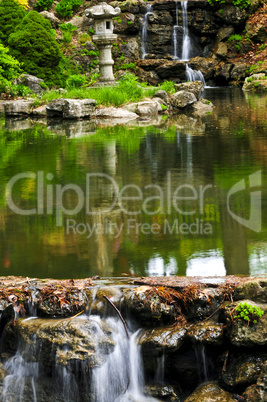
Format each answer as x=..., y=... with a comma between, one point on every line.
x=104, y=37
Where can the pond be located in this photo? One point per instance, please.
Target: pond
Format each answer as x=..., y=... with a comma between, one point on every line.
x=185, y=196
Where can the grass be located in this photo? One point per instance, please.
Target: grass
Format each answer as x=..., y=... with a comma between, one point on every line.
x=128, y=90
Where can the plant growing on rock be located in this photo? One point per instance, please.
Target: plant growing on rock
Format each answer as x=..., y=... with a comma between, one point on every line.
x=66, y=8
x=67, y=31
x=250, y=314
x=42, y=5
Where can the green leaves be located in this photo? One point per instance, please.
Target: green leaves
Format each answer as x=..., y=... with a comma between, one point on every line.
x=250, y=314
x=66, y=8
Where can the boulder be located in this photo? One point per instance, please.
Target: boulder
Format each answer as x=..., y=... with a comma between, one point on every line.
x=163, y=393
x=205, y=65
x=210, y=392
x=241, y=370
x=238, y=73
x=164, y=339
x=116, y=113
x=143, y=108
x=162, y=95
x=182, y=99
x=258, y=391
x=255, y=289
x=65, y=340
x=39, y=111
x=147, y=310
x=221, y=51
x=82, y=23
x=224, y=33
x=171, y=70
x=196, y=87
x=232, y=15
x=255, y=83
x=208, y=333
x=52, y=18
x=18, y=107
x=202, y=107
x=71, y=108
x=257, y=32
x=242, y=334
x=222, y=73
x=31, y=82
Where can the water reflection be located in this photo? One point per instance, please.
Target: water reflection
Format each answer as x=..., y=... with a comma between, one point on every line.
x=195, y=235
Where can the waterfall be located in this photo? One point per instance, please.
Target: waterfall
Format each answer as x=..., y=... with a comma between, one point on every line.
x=194, y=75
x=122, y=373
x=144, y=36
x=186, y=39
x=175, y=35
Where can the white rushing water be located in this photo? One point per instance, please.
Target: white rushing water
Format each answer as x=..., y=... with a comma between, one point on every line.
x=186, y=39
x=117, y=375
x=194, y=75
x=144, y=36
x=121, y=377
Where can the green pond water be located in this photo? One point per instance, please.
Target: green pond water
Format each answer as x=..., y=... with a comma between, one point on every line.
x=185, y=196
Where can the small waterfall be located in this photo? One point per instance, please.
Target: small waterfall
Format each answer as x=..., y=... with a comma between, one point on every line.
x=186, y=39
x=159, y=375
x=144, y=36
x=194, y=75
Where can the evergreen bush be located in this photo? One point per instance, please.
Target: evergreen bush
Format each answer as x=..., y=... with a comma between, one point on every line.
x=11, y=14
x=34, y=44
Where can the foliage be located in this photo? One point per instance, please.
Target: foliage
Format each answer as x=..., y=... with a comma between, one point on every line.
x=235, y=37
x=11, y=14
x=9, y=67
x=168, y=86
x=248, y=313
x=16, y=90
x=67, y=30
x=42, y=5
x=127, y=66
x=236, y=3
x=66, y=8
x=76, y=81
x=23, y=3
x=127, y=90
x=34, y=44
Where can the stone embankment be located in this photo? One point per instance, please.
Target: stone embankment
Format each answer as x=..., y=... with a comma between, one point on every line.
x=186, y=99
x=188, y=324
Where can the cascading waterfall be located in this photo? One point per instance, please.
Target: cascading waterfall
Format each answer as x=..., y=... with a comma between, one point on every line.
x=144, y=36
x=194, y=75
x=116, y=376
x=186, y=39
x=122, y=374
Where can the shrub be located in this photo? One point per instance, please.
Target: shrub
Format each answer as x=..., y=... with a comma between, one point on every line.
x=34, y=44
x=67, y=30
x=76, y=80
x=168, y=86
x=11, y=14
x=66, y=8
x=9, y=67
x=248, y=313
x=83, y=38
x=42, y=5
